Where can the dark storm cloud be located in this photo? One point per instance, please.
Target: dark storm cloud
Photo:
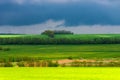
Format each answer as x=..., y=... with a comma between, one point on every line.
x=74, y=12
x=79, y=16
x=59, y=25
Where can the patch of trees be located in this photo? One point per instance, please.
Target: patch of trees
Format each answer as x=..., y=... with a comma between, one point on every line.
x=51, y=33
x=62, y=32
x=65, y=40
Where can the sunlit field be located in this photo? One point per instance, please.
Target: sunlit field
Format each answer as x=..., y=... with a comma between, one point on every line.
x=59, y=73
x=100, y=51
x=84, y=36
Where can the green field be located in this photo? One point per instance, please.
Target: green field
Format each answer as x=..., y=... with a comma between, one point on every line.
x=62, y=51
x=84, y=36
x=59, y=73
x=59, y=52
x=90, y=49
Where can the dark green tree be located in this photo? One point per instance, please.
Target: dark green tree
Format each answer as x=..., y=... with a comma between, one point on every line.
x=49, y=33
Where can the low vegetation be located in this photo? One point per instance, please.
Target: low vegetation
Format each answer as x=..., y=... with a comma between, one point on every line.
x=41, y=63
x=98, y=63
x=106, y=55
x=62, y=63
x=48, y=52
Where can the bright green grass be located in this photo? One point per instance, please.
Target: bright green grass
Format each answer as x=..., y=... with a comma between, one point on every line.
x=63, y=51
x=22, y=35
x=83, y=36
x=5, y=36
x=59, y=73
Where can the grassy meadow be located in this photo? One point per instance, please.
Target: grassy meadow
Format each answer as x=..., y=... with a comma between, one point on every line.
x=19, y=51
x=99, y=51
x=93, y=55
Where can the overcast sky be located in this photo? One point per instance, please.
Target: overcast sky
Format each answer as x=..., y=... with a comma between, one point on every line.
x=79, y=16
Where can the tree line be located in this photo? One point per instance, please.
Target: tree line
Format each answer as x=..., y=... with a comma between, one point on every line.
x=48, y=40
x=52, y=33
x=51, y=39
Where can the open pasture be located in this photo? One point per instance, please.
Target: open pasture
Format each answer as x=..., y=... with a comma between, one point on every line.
x=99, y=51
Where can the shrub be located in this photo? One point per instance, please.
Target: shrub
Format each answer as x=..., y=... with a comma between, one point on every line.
x=38, y=64
x=48, y=33
x=21, y=64
x=70, y=57
x=8, y=64
x=62, y=32
x=52, y=64
x=1, y=64
x=6, y=49
x=1, y=48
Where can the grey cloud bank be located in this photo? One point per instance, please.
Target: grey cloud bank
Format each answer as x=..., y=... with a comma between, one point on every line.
x=59, y=25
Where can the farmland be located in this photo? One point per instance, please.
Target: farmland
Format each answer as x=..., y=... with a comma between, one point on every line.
x=92, y=49
x=96, y=57
x=62, y=51
x=59, y=73
x=100, y=52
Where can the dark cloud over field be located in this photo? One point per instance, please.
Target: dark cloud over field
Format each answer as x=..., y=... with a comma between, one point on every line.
x=59, y=25
x=74, y=13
